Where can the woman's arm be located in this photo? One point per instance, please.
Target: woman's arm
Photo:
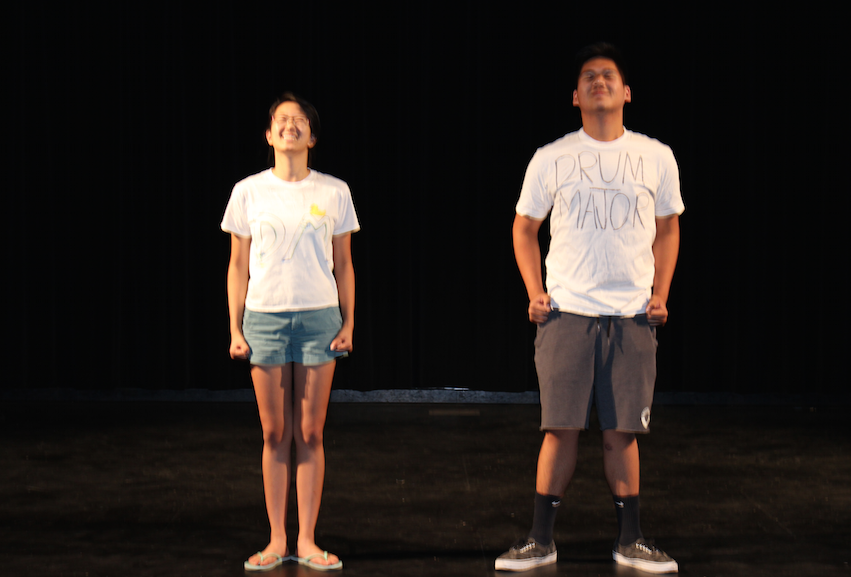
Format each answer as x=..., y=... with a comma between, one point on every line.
x=237, y=289
x=344, y=272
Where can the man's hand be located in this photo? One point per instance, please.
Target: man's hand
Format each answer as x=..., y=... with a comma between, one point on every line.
x=657, y=311
x=539, y=308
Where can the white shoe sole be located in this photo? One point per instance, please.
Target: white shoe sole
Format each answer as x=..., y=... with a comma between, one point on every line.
x=645, y=565
x=525, y=564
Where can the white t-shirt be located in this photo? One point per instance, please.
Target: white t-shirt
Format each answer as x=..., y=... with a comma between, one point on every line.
x=604, y=198
x=290, y=225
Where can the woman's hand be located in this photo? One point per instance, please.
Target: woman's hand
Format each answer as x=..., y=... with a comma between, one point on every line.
x=343, y=341
x=239, y=349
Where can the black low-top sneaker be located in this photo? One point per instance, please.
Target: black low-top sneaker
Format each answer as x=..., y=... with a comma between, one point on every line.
x=527, y=554
x=644, y=555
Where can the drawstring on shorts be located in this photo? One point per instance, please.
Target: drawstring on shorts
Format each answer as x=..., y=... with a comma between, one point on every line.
x=608, y=326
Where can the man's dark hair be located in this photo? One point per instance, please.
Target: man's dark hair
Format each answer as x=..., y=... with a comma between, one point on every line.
x=599, y=50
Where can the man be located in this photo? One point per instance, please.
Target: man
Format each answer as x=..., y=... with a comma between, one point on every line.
x=613, y=197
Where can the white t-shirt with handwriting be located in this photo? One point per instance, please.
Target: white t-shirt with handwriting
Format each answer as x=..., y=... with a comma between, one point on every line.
x=603, y=199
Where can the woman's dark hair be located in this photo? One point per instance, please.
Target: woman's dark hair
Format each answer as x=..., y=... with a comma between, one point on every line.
x=599, y=50
x=309, y=111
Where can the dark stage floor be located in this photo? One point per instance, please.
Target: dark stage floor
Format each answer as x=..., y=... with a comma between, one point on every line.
x=116, y=489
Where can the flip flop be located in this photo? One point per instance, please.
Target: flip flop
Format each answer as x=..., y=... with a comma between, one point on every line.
x=269, y=566
x=309, y=562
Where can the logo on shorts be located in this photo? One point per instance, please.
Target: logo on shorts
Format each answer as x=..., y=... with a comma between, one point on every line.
x=645, y=418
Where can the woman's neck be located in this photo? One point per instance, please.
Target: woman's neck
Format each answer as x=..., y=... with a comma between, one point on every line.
x=289, y=168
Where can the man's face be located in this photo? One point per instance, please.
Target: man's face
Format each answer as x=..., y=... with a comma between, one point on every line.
x=600, y=87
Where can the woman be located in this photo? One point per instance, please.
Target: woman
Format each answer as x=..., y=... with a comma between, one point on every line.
x=291, y=299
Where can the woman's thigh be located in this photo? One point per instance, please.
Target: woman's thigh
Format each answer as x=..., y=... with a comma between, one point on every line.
x=311, y=392
x=273, y=388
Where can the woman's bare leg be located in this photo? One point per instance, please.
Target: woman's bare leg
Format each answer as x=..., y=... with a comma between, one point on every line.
x=312, y=391
x=273, y=389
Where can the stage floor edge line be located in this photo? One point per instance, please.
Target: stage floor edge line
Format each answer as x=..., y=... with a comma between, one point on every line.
x=434, y=395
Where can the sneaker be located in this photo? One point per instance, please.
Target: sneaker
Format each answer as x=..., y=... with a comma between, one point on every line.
x=645, y=556
x=527, y=554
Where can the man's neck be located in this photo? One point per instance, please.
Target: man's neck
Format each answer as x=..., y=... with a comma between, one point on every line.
x=603, y=127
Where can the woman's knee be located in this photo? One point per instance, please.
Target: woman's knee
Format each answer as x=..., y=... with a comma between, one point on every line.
x=310, y=434
x=276, y=435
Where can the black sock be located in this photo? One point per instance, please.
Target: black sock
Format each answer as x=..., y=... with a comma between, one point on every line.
x=546, y=507
x=629, y=523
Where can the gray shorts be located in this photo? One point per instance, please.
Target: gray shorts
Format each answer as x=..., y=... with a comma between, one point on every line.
x=607, y=361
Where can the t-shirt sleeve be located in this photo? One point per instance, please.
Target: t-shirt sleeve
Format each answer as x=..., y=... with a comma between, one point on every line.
x=348, y=219
x=669, y=200
x=536, y=199
x=235, y=219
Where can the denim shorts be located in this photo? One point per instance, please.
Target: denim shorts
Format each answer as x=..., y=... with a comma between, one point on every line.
x=607, y=361
x=292, y=337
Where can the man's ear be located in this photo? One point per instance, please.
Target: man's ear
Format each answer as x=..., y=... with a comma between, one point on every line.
x=627, y=94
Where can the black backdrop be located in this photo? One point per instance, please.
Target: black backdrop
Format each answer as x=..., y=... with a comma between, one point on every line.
x=128, y=126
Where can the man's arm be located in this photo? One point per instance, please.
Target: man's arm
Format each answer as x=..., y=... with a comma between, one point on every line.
x=527, y=252
x=666, y=248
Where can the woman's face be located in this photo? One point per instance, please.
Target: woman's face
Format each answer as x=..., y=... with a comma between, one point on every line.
x=289, y=130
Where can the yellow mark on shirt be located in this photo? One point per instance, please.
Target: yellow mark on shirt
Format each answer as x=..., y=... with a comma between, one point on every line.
x=316, y=211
